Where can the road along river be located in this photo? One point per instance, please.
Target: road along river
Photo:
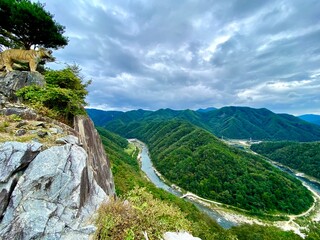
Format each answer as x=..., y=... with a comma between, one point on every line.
x=224, y=220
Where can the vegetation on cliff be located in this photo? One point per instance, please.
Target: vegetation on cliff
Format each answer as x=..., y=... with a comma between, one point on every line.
x=304, y=157
x=197, y=161
x=63, y=96
x=141, y=212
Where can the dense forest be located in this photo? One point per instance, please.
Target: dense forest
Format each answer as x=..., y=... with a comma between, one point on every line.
x=304, y=157
x=229, y=122
x=197, y=161
x=127, y=175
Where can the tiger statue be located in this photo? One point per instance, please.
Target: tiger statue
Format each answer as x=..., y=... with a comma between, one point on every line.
x=33, y=57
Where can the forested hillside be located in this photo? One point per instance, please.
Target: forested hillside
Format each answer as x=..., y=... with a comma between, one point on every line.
x=197, y=161
x=260, y=124
x=127, y=175
x=229, y=122
x=304, y=157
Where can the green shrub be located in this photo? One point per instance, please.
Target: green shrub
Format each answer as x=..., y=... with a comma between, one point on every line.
x=63, y=96
x=141, y=212
x=3, y=126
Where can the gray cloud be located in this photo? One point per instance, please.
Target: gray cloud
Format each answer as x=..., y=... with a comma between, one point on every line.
x=192, y=54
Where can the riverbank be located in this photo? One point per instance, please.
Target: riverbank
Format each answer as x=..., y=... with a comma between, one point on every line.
x=224, y=213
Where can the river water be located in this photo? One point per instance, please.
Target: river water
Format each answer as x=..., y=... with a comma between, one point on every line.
x=148, y=169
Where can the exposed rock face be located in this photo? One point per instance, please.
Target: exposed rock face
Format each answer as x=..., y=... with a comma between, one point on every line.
x=13, y=81
x=47, y=200
x=50, y=192
x=15, y=156
x=98, y=163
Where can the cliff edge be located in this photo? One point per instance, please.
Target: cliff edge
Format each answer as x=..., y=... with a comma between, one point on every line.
x=52, y=177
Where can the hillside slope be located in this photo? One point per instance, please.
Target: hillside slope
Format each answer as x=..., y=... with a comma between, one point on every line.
x=128, y=175
x=261, y=124
x=197, y=161
x=229, y=122
x=304, y=157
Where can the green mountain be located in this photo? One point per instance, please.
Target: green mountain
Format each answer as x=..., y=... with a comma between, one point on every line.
x=304, y=157
x=229, y=122
x=100, y=117
x=127, y=175
x=196, y=160
x=311, y=118
x=260, y=124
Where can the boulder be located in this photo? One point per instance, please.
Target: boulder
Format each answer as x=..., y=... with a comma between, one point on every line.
x=68, y=139
x=46, y=202
x=19, y=110
x=13, y=81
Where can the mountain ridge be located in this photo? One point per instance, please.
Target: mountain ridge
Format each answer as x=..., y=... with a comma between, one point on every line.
x=230, y=122
x=311, y=118
x=197, y=161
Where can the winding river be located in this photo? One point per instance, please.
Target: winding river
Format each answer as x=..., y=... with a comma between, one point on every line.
x=148, y=169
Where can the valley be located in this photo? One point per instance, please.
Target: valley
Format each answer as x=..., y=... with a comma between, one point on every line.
x=227, y=122
x=228, y=216
x=222, y=177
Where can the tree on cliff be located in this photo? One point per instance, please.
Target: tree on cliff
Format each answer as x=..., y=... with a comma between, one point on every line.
x=26, y=24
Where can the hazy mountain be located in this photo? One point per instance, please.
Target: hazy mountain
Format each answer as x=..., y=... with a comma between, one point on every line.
x=206, y=109
x=230, y=122
x=311, y=118
x=100, y=117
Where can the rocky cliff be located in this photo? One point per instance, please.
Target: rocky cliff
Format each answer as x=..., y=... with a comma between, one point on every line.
x=52, y=177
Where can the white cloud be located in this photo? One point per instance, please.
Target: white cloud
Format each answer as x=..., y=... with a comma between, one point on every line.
x=158, y=54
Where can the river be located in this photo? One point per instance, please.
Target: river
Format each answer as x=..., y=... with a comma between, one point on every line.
x=148, y=169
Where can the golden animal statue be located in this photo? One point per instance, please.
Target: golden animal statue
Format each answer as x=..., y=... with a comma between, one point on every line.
x=33, y=57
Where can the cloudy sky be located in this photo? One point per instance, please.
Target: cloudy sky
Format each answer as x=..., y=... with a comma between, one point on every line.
x=190, y=54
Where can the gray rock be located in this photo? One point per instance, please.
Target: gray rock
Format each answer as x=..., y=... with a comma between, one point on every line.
x=98, y=165
x=13, y=81
x=56, y=130
x=39, y=124
x=22, y=111
x=20, y=132
x=5, y=192
x=42, y=134
x=21, y=124
x=68, y=139
x=14, y=156
x=46, y=203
